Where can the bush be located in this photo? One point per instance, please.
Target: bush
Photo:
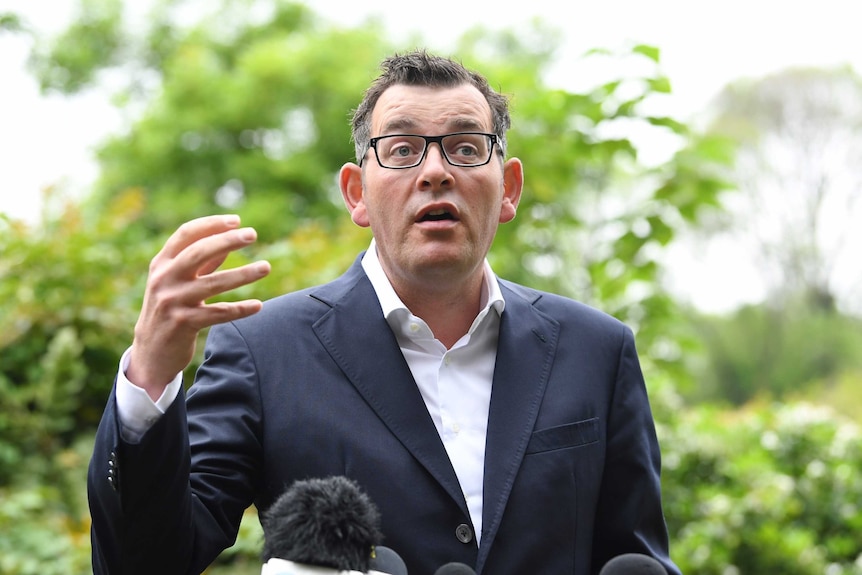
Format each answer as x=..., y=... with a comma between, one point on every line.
x=770, y=488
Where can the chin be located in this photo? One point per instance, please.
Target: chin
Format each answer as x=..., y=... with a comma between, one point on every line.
x=445, y=264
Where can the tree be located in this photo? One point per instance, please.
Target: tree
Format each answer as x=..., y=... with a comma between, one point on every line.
x=766, y=351
x=797, y=200
x=799, y=179
x=231, y=113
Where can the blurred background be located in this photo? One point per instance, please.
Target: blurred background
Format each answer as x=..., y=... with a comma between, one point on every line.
x=694, y=170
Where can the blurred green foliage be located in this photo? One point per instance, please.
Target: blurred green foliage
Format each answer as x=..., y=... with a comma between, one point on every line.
x=68, y=302
x=781, y=352
x=770, y=488
x=92, y=41
x=241, y=113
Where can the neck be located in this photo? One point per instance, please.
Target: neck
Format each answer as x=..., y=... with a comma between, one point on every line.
x=448, y=312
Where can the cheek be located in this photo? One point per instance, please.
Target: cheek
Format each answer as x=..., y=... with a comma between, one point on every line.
x=493, y=209
x=380, y=212
x=382, y=199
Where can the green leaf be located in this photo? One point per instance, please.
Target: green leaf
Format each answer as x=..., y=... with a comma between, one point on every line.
x=675, y=125
x=660, y=85
x=650, y=52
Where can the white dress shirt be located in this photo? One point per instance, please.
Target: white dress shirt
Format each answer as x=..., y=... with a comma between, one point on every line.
x=135, y=410
x=455, y=383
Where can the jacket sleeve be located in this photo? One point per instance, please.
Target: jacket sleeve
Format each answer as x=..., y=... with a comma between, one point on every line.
x=629, y=514
x=172, y=502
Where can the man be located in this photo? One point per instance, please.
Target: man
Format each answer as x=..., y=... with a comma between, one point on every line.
x=492, y=425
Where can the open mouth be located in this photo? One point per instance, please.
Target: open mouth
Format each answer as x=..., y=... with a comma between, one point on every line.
x=437, y=215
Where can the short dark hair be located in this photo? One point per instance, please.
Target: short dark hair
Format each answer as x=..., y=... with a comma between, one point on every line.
x=419, y=68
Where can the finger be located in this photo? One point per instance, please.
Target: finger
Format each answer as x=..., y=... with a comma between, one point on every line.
x=208, y=315
x=210, y=285
x=178, y=312
x=212, y=265
x=206, y=254
x=155, y=363
x=197, y=229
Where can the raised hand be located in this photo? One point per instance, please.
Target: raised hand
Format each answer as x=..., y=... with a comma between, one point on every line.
x=182, y=276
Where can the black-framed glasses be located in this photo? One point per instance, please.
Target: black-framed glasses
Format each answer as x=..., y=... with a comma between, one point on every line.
x=462, y=149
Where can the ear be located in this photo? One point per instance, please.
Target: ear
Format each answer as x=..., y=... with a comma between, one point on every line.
x=513, y=184
x=350, y=181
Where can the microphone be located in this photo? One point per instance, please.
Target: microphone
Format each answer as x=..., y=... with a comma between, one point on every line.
x=633, y=564
x=455, y=569
x=385, y=560
x=324, y=523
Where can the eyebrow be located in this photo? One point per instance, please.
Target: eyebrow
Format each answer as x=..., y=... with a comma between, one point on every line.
x=407, y=125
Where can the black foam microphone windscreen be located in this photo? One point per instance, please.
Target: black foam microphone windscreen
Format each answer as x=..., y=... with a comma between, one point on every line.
x=633, y=564
x=323, y=522
x=455, y=569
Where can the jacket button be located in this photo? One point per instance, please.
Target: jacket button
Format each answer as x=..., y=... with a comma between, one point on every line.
x=113, y=475
x=464, y=533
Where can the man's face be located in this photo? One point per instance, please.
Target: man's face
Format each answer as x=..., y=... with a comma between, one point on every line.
x=434, y=222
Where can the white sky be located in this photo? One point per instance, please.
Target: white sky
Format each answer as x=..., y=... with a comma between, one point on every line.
x=48, y=141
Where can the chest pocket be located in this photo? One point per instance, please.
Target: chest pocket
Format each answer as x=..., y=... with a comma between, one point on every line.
x=564, y=436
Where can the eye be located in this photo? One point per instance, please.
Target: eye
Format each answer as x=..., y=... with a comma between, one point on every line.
x=467, y=148
x=402, y=148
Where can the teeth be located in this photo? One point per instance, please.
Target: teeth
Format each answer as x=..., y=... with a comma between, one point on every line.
x=437, y=215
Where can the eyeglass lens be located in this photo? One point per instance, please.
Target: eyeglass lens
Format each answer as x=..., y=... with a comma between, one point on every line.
x=403, y=151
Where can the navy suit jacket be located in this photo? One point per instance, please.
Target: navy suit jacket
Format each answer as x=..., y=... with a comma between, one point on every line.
x=315, y=385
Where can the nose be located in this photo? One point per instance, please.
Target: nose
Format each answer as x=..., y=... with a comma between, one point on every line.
x=434, y=169
x=436, y=151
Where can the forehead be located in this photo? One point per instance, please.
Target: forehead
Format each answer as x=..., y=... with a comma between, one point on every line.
x=431, y=110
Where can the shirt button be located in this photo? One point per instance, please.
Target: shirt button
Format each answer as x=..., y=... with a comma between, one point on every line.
x=464, y=533
x=414, y=327
x=456, y=427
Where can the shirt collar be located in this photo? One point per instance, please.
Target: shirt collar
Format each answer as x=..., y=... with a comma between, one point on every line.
x=491, y=296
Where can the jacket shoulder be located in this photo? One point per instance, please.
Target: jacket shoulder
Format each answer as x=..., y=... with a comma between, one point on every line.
x=304, y=306
x=561, y=308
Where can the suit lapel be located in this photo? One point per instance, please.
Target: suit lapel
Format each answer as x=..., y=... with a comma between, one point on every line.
x=356, y=335
x=525, y=353
x=360, y=341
